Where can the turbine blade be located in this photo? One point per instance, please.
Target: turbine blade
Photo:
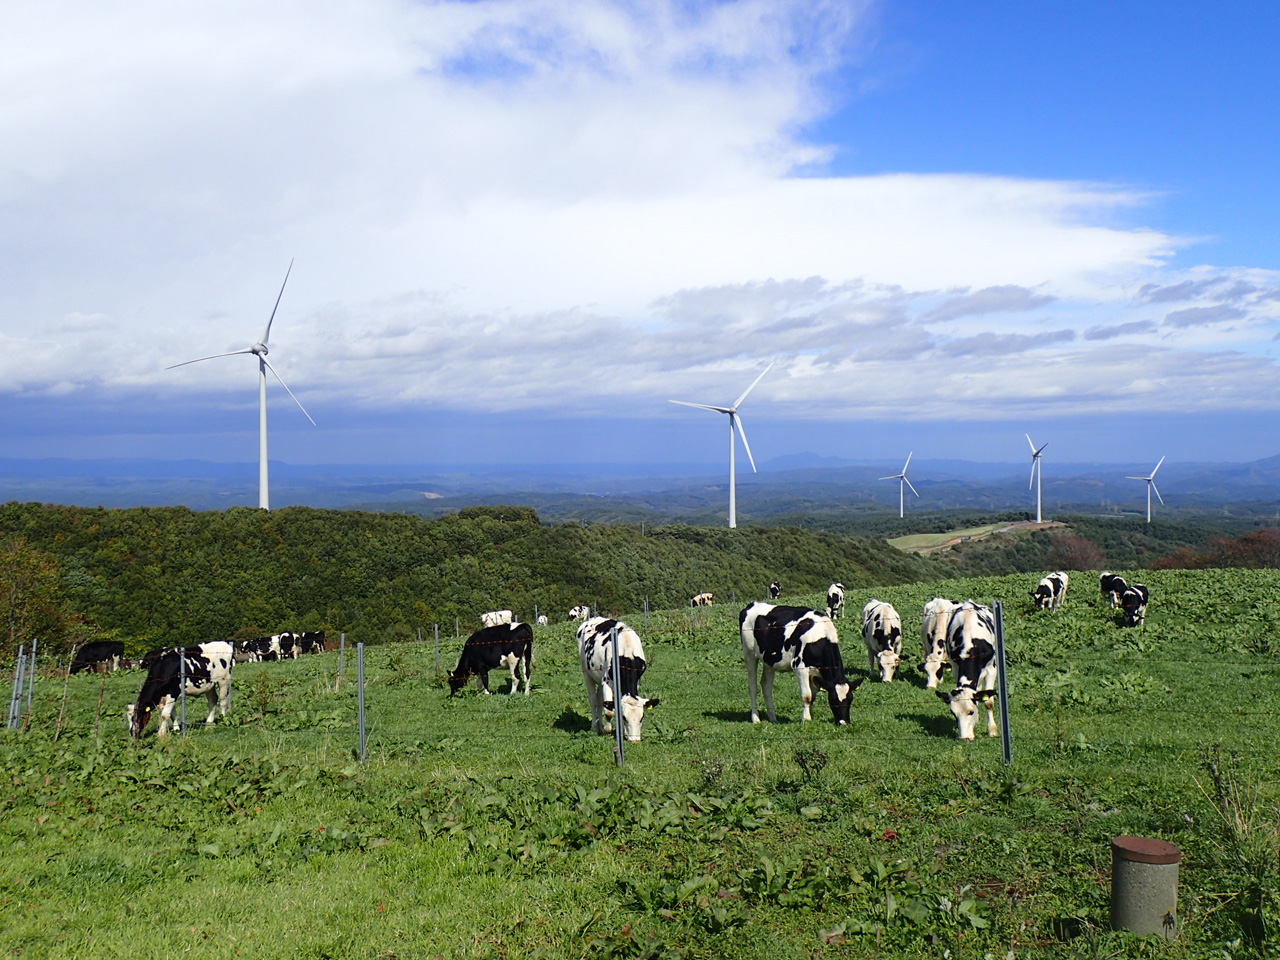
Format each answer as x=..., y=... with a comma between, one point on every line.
x=737, y=402
x=908, y=483
x=267, y=333
x=734, y=418
x=1032, y=482
x=1041, y=450
x=1157, y=490
x=233, y=353
x=1137, y=478
x=908, y=463
x=1033, y=446
x=287, y=390
x=896, y=476
x=1153, y=472
x=701, y=406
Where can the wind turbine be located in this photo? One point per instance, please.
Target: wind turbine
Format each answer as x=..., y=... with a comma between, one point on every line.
x=1151, y=485
x=1035, y=472
x=734, y=421
x=902, y=478
x=259, y=350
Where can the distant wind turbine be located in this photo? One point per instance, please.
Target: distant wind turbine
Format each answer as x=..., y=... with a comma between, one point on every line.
x=259, y=350
x=735, y=421
x=1035, y=472
x=902, y=478
x=1151, y=485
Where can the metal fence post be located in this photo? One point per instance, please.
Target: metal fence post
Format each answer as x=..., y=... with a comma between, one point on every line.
x=617, y=699
x=436, y=628
x=15, y=698
x=457, y=632
x=1006, y=743
x=182, y=688
x=342, y=657
x=31, y=678
x=360, y=697
x=646, y=614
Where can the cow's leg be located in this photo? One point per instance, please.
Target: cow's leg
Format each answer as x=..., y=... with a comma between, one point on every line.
x=212, y=696
x=606, y=696
x=766, y=685
x=224, y=694
x=806, y=692
x=752, y=665
x=167, y=704
x=992, y=730
x=482, y=681
x=527, y=660
x=516, y=666
x=595, y=697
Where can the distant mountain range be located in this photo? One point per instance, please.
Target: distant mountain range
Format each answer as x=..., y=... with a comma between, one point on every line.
x=798, y=485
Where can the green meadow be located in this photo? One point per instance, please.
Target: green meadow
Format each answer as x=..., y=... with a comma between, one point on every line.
x=501, y=826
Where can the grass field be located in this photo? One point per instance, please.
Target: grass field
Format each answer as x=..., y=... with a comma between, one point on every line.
x=501, y=827
x=929, y=541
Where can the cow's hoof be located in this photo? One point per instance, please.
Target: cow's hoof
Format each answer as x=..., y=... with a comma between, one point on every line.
x=755, y=719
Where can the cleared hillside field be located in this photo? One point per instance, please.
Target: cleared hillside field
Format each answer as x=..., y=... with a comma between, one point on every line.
x=501, y=826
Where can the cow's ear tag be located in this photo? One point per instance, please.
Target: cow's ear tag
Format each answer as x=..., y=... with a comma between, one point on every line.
x=649, y=705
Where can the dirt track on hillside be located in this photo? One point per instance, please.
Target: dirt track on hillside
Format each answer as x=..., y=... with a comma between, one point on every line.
x=1028, y=525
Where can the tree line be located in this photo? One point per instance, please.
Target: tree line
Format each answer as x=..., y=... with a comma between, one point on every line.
x=158, y=576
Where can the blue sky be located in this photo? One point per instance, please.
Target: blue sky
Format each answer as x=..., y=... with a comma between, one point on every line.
x=519, y=228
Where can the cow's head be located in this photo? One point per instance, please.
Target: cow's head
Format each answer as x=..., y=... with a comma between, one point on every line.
x=840, y=696
x=965, y=703
x=1042, y=596
x=889, y=660
x=933, y=669
x=137, y=719
x=633, y=710
x=457, y=680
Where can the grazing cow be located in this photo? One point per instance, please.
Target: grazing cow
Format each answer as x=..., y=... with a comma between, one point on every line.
x=496, y=617
x=208, y=671
x=703, y=600
x=275, y=647
x=507, y=645
x=101, y=655
x=835, y=600
x=542, y=620
x=1113, y=587
x=933, y=637
x=971, y=647
x=580, y=612
x=775, y=589
x=803, y=641
x=595, y=652
x=311, y=641
x=882, y=633
x=1050, y=592
x=1134, y=604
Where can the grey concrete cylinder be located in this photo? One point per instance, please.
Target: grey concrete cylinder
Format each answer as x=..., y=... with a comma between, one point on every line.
x=1144, y=885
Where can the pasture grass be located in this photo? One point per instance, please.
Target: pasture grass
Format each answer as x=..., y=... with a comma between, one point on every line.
x=925, y=541
x=500, y=826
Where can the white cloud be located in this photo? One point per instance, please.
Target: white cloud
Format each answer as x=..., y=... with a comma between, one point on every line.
x=576, y=205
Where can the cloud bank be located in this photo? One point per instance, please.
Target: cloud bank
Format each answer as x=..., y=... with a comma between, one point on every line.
x=557, y=206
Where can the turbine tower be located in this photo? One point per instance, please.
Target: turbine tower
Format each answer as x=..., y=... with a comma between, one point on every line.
x=735, y=422
x=1151, y=485
x=1035, y=472
x=902, y=478
x=259, y=350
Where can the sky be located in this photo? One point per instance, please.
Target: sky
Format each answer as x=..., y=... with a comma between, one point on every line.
x=517, y=229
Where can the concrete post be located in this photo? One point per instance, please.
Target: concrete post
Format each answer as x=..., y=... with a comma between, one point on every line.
x=1144, y=885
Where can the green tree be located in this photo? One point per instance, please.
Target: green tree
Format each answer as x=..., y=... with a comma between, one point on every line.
x=31, y=602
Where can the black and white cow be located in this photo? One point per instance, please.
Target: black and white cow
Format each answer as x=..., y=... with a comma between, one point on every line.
x=703, y=600
x=101, y=655
x=797, y=639
x=275, y=647
x=882, y=633
x=933, y=637
x=208, y=671
x=496, y=617
x=835, y=600
x=311, y=641
x=508, y=645
x=1051, y=591
x=580, y=612
x=1113, y=587
x=775, y=589
x=595, y=653
x=971, y=648
x=542, y=620
x=1134, y=604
